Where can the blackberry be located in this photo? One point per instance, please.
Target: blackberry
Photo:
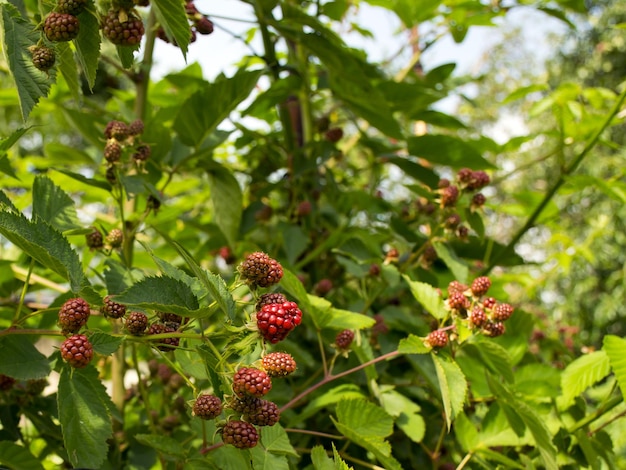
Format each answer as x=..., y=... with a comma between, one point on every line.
x=167, y=317
x=462, y=232
x=240, y=434
x=245, y=405
x=258, y=269
x=142, y=153
x=73, y=315
x=136, y=127
x=323, y=287
x=334, y=134
x=278, y=364
x=480, y=286
x=374, y=270
x=112, y=309
x=477, y=316
x=112, y=151
x=77, y=351
x=273, y=298
x=43, y=57
x=251, y=381
x=443, y=183
x=116, y=130
x=449, y=196
x=437, y=339
x=163, y=344
x=6, y=382
x=452, y=221
x=489, y=303
x=136, y=323
x=458, y=301
x=207, y=407
x=60, y=27
x=72, y=7
x=464, y=176
x=114, y=238
x=344, y=339
x=94, y=240
x=122, y=29
x=266, y=414
x=494, y=329
x=478, y=200
x=204, y=25
x=276, y=321
x=479, y=180
x=456, y=286
x=501, y=312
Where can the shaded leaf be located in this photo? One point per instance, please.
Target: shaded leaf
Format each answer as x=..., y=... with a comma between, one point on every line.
x=20, y=359
x=447, y=150
x=88, y=45
x=52, y=204
x=494, y=356
x=227, y=200
x=165, y=444
x=457, y=266
x=18, y=457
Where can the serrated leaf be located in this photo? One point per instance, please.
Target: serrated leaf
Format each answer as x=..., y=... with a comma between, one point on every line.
x=615, y=349
x=449, y=257
x=164, y=294
x=582, y=373
x=18, y=457
x=163, y=444
x=52, y=204
x=88, y=45
x=16, y=36
x=202, y=112
x=10, y=141
x=320, y=460
x=406, y=414
x=92, y=182
x=345, y=319
x=6, y=204
x=413, y=344
x=66, y=65
x=264, y=460
x=84, y=417
x=428, y=296
x=227, y=200
x=326, y=400
x=453, y=386
x=117, y=277
x=172, y=17
x=126, y=55
x=446, y=150
x=105, y=344
x=275, y=439
x=45, y=244
x=293, y=286
x=20, y=359
x=230, y=458
x=494, y=356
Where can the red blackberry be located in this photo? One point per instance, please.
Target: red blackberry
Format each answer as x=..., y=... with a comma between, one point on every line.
x=374, y=270
x=258, y=269
x=123, y=29
x=452, y=221
x=163, y=344
x=275, y=321
x=266, y=414
x=94, y=240
x=204, y=25
x=480, y=286
x=116, y=130
x=73, y=315
x=458, y=301
x=494, y=329
x=437, y=339
x=443, y=183
x=136, y=323
x=344, y=339
x=489, y=303
x=43, y=57
x=323, y=287
x=464, y=176
x=479, y=180
x=501, y=312
x=6, y=382
x=73, y=7
x=449, y=196
x=136, y=127
x=304, y=209
x=112, y=151
x=251, y=381
x=114, y=238
x=207, y=407
x=334, y=134
x=278, y=364
x=478, y=200
x=456, y=286
x=478, y=317
x=240, y=434
x=112, y=309
x=142, y=153
x=273, y=298
x=60, y=27
x=77, y=351
x=245, y=405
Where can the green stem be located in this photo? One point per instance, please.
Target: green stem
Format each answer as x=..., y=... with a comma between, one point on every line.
x=143, y=81
x=20, y=304
x=118, y=372
x=143, y=392
x=607, y=406
x=567, y=170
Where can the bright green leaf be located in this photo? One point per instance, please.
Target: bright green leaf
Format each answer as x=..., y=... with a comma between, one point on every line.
x=293, y=286
x=494, y=356
x=453, y=386
x=428, y=296
x=66, y=65
x=264, y=460
x=88, y=45
x=172, y=17
x=615, y=349
x=344, y=319
x=406, y=414
x=17, y=457
x=20, y=359
x=457, y=266
x=275, y=440
x=105, y=344
x=413, y=344
x=582, y=373
x=447, y=150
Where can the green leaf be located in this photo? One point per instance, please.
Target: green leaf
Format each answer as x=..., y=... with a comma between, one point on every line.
x=457, y=266
x=466, y=433
x=344, y=319
x=163, y=444
x=6, y=204
x=494, y=356
x=582, y=373
x=320, y=460
x=16, y=36
x=208, y=107
x=165, y=294
x=264, y=460
x=615, y=349
x=18, y=457
x=292, y=285
x=327, y=400
x=45, y=244
x=227, y=200
x=52, y=204
x=428, y=296
x=88, y=45
x=20, y=359
x=413, y=344
x=446, y=150
x=66, y=65
x=172, y=17
x=8, y=142
x=406, y=414
x=275, y=440
x=453, y=386
x=276, y=94
x=92, y=182
x=126, y=55
x=105, y=344
x=83, y=414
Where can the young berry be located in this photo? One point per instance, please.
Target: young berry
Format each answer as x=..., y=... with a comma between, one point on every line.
x=494, y=329
x=43, y=57
x=163, y=344
x=136, y=323
x=77, y=351
x=501, y=312
x=334, y=134
x=94, y=240
x=456, y=286
x=374, y=270
x=258, y=269
x=116, y=130
x=477, y=316
x=478, y=200
x=458, y=301
x=245, y=405
x=464, y=176
x=449, y=196
x=6, y=382
x=136, y=127
x=266, y=414
x=437, y=339
x=207, y=407
x=114, y=238
x=142, y=153
x=278, y=364
x=251, y=381
x=323, y=287
x=72, y=7
x=462, y=232
x=240, y=434
x=344, y=339
x=268, y=299
x=479, y=180
x=480, y=286
x=112, y=151
x=443, y=183
x=489, y=303
x=276, y=321
x=453, y=221
x=112, y=309
x=123, y=30
x=60, y=27
x=73, y=315
x=204, y=25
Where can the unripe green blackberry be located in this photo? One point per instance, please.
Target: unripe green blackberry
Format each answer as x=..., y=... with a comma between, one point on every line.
x=272, y=298
x=258, y=269
x=251, y=381
x=117, y=130
x=72, y=7
x=136, y=323
x=266, y=414
x=112, y=151
x=114, y=238
x=94, y=240
x=494, y=329
x=77, y=351
x=240, y=434
x=437, y=339
x=122, y=28
x=207, y=407
x=344, y=339
x=60, y=27
x=480, y=286
x=163, y=344
x=278, y=364
x=112, y=309
x=43, y=57
x=501, y=312
x=73, y=315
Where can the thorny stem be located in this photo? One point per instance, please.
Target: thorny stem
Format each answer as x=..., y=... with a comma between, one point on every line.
x=315, y=433
x=20, y=304
x=603, y=425
x=607, y=406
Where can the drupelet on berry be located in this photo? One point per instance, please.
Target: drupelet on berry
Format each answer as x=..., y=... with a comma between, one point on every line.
x=251, y=381
x=437, y=339
x=77, y=351
x=258, y=269
x=240, y=434
x=73, y=315
x=278, y=364
x=207, y=406
x=276, y=321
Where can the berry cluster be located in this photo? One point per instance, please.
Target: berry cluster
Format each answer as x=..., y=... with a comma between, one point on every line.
x=198, y=24
x=123, y=27
x=95, y=240
x=276, y=321
x=73, y=315
x=278, y=364
x=259, y=270
x=112, y=309
x=77, y=351
x=44, y=57
x=124, y=140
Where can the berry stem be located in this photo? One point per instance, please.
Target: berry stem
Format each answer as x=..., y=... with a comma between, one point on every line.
x=330, y=377
x=180, y=371
x=315, y=433
x=21, y=272
x=206, y=450
x=323, y=354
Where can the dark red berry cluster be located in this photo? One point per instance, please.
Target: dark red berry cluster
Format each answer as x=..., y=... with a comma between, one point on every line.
x=240, y=434
x=167, y=343
x=136, y=323
x=198, y=24
x=276, y=321
x=207, y=406
x=44, y=57
x=124, y=140
x=60, y=27
x=344, y=339
x=251, y=381
x=259, y=270
x=112, y=309
x=73, y=315
x=77, y=351
x=123, y=27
